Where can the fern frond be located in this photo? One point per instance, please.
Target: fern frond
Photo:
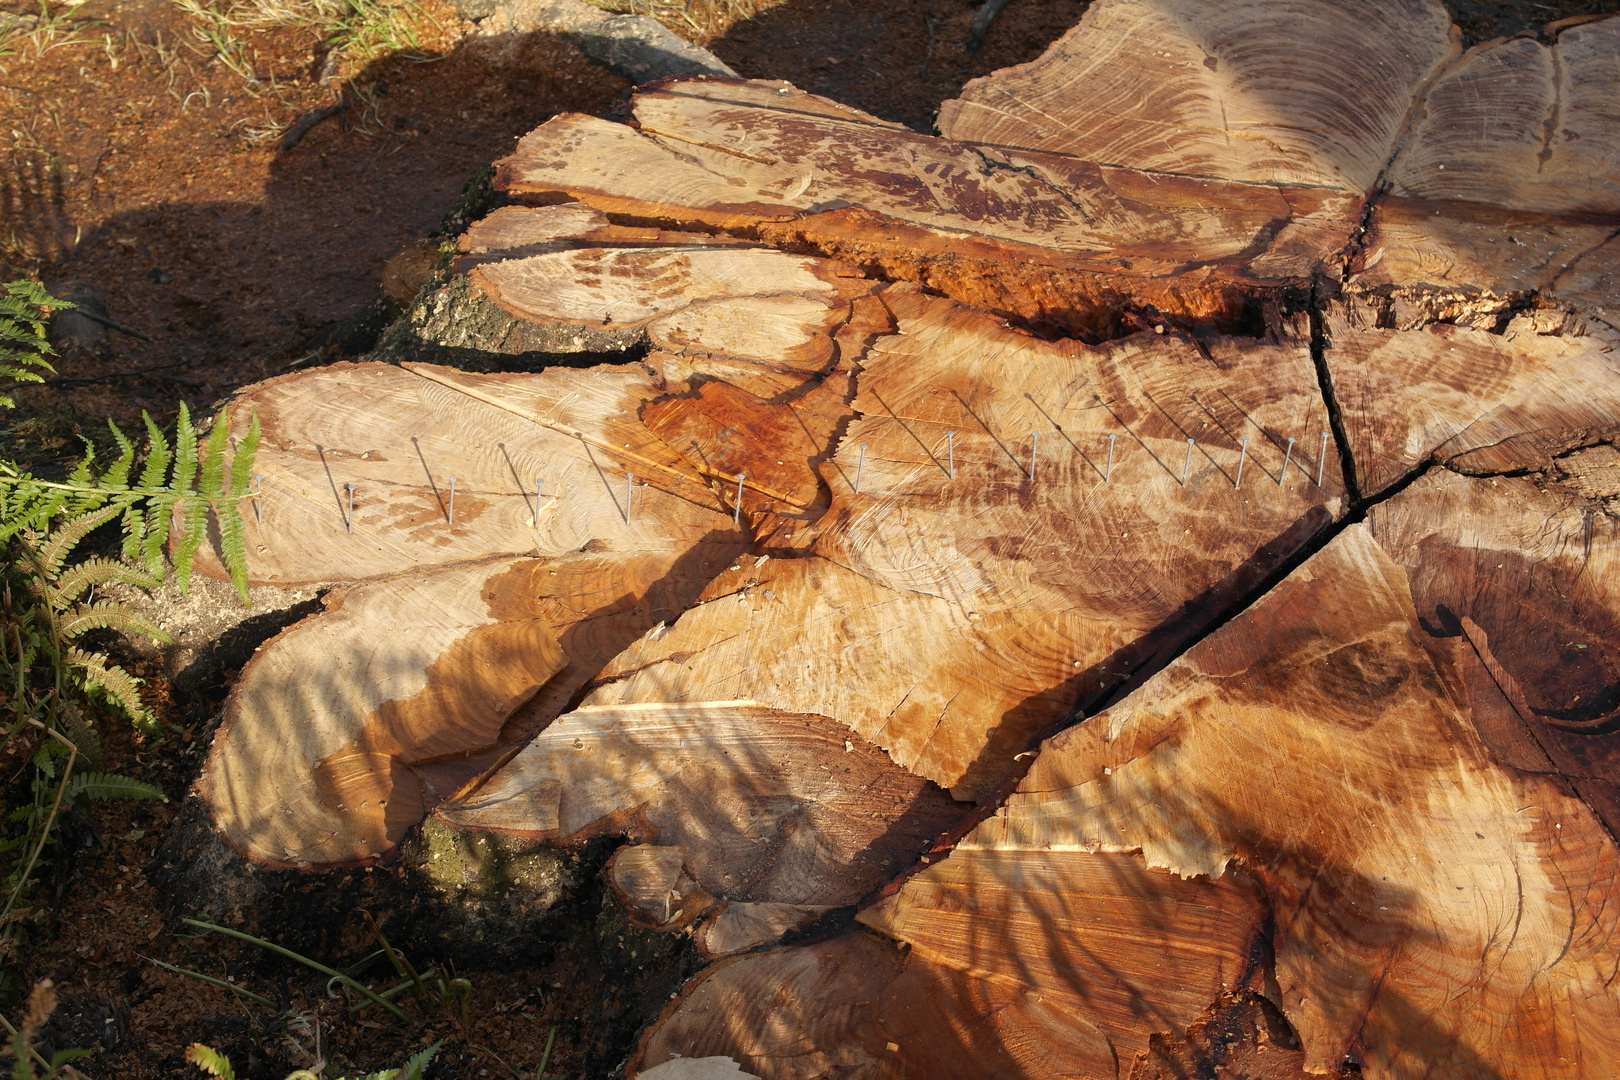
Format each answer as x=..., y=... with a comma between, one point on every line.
x=107, y=614
x=67, y=535
x=210, y=1061
x=117, y=474
x=119, y=686
x=228, y=512
x=210, y=486
x=81, y=576
x=96, y=785
x=156, y=469
x=212, y=481
x=185, y=452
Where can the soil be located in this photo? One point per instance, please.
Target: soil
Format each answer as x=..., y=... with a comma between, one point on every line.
x=142, y=165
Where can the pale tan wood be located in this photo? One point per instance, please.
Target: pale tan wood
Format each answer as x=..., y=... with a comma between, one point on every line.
x=631, y=286
x=1523, y=124
x=1309, y=92
x=780, y=815
x=1476, y=401
x=1433, y=261
x=1591, y=283
x=1325, y=744
x=400, y=434
x=1528, y=575
x=711, y=1068
x=1062, y=585
x=312, y=764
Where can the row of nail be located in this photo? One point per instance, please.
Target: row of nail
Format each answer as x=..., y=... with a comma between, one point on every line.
x=1108, y=470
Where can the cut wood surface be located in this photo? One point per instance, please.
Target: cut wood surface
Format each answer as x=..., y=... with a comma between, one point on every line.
x=1063, y=584
x=1235, y=386
x=775, y=817
x=1228, y=162
x=1476, y=401
x=313, y=763
x=401, y=434
x=1308, y=92
x=986, y=228
x=1329, y=692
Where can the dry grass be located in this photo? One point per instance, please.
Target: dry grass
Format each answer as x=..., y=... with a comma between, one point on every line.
x=355, y=30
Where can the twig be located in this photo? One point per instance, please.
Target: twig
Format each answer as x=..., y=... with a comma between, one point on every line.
x=109, y=324
x=922, y=75
x=981, y=23
x=113, y=376
x=302, y=127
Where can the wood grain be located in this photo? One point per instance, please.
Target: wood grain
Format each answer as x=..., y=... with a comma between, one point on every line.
x=777, y=816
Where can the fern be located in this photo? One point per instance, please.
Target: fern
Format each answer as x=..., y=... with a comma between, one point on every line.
x=187, y=484
x=25, y=307
x=95, y=785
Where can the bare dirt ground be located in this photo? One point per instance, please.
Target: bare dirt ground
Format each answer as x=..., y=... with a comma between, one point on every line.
x=134, y=159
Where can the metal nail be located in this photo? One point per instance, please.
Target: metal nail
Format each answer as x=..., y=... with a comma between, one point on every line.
x=1321, y=460
x=1186, y=466
x=860, y=466
x=950, y=452
x=736, y=515
x=351, y=506
x=1034, y=447
x=1287, y=457
x=539, y=486
x=452, y=502
x=258, y=503
x=1243, y=454
x=629, y=494
x=1108, y=474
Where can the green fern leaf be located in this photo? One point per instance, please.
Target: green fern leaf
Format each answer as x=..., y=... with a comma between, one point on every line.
x=416, y=1065
x=81, y=576
x=193, y=512
x=107, y=614
x=67, y=536
x=117, y=474
x=156, y=469
x=210, y=1061
x=118, y=685
x=96, y=785
x=228, y=512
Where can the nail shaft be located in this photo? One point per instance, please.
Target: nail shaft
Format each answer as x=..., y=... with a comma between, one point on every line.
x=1108, y=474
x=860, y=467
x=1321, y=460
x=950, y=452
x=736, y=515
x=1243, y=455
x=1034, y=448
x=452, y=502
x=258, y=504
x=629, y=494
x=351, y=506
x=1186, y=466
x=1287, y=457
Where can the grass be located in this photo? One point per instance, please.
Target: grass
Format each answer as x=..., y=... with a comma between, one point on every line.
x=52, y=28
x=355, y=31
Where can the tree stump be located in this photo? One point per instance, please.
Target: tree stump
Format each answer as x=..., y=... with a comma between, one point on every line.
x=1146, y=550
